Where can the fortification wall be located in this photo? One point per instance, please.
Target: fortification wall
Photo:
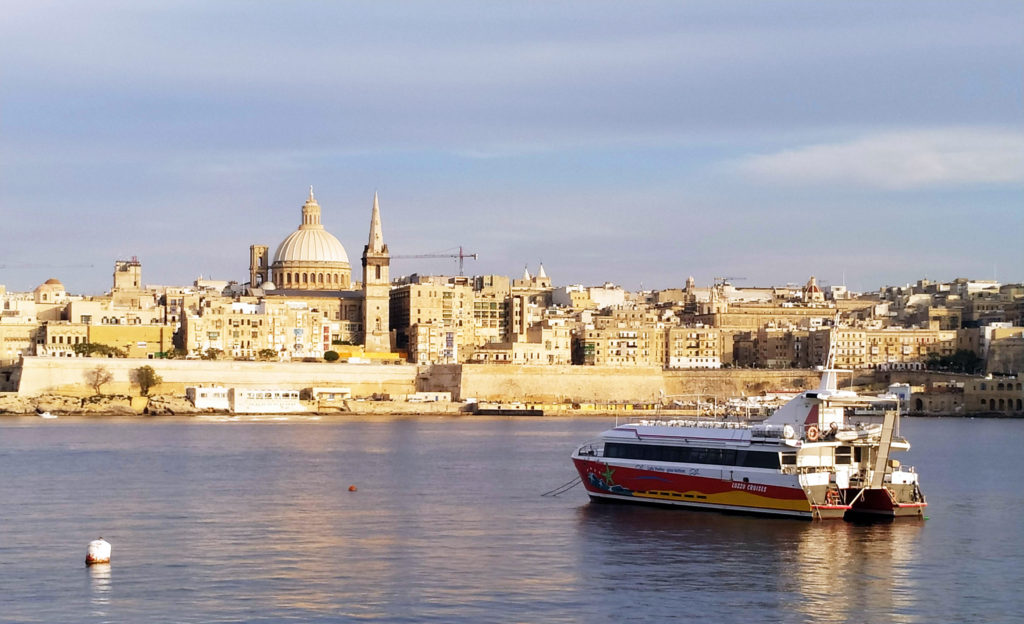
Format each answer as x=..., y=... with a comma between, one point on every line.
x=595, y=384
x=41, y=375
x=485, y=382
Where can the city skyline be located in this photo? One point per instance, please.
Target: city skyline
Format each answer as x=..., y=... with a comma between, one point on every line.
x=880, y=143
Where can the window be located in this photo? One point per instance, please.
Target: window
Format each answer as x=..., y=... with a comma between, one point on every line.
x=692, y=455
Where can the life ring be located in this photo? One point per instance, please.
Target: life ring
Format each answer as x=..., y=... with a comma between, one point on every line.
x=812, y=433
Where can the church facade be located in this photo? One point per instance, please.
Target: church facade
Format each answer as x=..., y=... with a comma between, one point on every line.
x=310, y=270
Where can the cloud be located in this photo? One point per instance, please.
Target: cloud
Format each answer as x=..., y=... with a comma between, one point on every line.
x=911, y=160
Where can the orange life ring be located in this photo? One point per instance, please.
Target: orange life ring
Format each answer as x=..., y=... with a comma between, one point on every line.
x=812, y=433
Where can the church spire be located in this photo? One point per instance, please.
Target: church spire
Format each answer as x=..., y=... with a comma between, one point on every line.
x=376, y=243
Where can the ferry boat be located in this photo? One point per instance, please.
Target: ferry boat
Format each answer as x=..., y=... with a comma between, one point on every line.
x=810, y=459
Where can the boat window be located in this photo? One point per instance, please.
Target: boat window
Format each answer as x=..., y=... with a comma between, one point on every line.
x=692, y=455
x=843, y=455
x=761, y=460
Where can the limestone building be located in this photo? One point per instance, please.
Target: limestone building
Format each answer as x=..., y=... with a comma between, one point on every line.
x=310, y=258
x=376, y=288
x=308, y=285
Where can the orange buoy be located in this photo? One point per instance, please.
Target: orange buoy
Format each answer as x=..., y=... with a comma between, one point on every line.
x=352, y=488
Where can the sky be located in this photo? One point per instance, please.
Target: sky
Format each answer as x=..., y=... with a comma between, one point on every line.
x=865, y=143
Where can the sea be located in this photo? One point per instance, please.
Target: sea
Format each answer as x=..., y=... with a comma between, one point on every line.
x=446, y=519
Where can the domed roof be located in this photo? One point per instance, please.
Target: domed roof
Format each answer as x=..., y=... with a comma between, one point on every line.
x=311, y=246
x=311, y=242
x=53, y=281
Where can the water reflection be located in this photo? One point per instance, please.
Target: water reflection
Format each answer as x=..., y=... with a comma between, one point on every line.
x=720, y=564
x=99, y=587
x=843, y=569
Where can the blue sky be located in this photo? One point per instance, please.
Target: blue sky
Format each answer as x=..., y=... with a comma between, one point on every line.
x=633, y=142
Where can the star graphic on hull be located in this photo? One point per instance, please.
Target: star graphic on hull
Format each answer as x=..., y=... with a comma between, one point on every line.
x=607, y=474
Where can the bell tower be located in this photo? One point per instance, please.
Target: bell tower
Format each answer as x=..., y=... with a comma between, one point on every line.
x=376, y=288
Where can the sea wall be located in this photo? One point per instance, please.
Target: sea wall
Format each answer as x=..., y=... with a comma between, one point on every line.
x=485, y=382
x=595, y=384
x=45, y=375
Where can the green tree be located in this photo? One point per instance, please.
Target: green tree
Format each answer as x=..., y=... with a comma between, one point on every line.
x=146, y=377
x=963, y=361
x=89, y=349
x=176, y=354
x=266, y=354
x=212, y=354
x=331, y=356
x=98, y=376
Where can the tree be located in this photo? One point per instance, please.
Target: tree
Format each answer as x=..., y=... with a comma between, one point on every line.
x=176, y=354
x=98, y=376
x=266, y=354
x=146, y=377
x=212, y=354
x=963, y=361
x=90, y=349
x=331, y=356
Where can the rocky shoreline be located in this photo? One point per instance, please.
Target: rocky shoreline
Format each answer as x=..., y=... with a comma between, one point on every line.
x=159, y=405
x=175, y=405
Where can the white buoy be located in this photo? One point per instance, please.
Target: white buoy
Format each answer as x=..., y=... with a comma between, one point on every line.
x=98, y=552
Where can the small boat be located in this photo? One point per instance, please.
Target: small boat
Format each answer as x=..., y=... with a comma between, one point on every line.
x=809, y=459
x=43, y=414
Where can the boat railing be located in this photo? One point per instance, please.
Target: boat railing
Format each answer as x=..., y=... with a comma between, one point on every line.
x=702, y=424
x=591, y=449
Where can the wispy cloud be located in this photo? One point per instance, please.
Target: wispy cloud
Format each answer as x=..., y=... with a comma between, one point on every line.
x=920, y=159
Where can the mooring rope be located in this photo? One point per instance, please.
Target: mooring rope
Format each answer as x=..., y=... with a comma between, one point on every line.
x=565, y=487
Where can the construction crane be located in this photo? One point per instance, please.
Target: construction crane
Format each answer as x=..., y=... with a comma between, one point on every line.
x=726, y=280
x=22, y=265
x=462, y=255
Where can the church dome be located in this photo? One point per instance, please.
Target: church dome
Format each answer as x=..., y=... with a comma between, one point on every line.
x=311, y=246
x=311, y=258
x=311, y=242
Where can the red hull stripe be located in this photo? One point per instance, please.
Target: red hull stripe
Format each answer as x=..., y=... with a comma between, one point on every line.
x=623, y=481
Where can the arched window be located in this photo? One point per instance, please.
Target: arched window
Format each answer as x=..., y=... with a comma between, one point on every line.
x=305, y=278
x=1018, y=405
x=1000, y=386
x=983, y=386
x=1002, y=405
x=320, y=278
x=992, y=404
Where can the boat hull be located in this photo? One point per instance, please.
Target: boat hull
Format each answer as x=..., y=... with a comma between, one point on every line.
x=768, y=494
x=759, y=493
x=893, y=501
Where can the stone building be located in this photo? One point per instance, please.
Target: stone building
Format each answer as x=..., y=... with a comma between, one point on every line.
x=310, y=258
x=694, y=347
x=1001, y=395
x=434, y=318
x=310, y=271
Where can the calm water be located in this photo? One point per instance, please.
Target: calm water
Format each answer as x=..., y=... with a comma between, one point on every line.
x=253, y=521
